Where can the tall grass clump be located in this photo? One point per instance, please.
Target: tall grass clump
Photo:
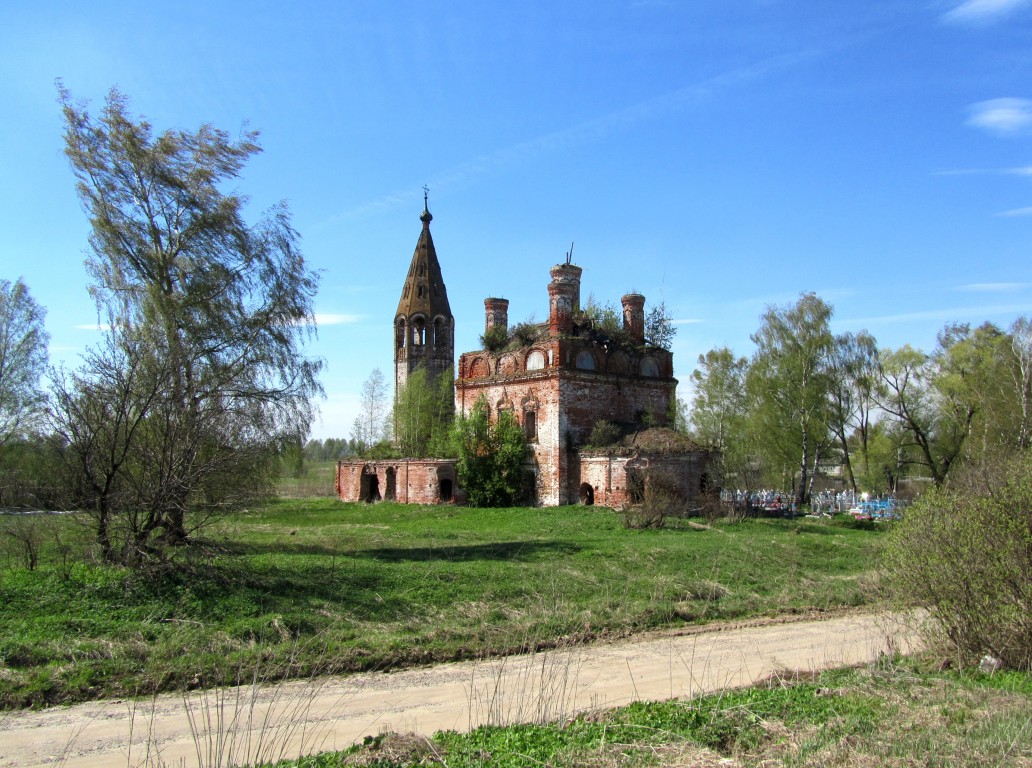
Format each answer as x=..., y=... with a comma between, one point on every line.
x=964, y=554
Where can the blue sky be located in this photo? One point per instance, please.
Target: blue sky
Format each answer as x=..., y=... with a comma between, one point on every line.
x=721, y=155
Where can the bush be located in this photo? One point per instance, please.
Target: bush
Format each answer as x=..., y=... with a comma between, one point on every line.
x=965, y=555
x=494, y=338
x=657, y=497
x=603, y=433
x=490, y=456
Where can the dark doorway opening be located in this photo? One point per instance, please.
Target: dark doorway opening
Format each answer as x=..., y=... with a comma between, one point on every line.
x=635, y=486
x=530, y=488
x=445, y=489
x=391, y=492
x=587, y=495
x=370, y=485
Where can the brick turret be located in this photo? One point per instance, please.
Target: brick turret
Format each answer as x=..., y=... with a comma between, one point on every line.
x=496, y=313
x=563, y=298
x=634, y=315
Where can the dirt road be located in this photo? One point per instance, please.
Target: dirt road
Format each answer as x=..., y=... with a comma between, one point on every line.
x=245, y=725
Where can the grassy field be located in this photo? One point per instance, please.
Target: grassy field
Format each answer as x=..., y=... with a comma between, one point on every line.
x=300, y=587
x=895, y=713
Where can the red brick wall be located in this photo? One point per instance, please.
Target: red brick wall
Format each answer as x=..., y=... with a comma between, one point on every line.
x=608, y=474
x=416, y=481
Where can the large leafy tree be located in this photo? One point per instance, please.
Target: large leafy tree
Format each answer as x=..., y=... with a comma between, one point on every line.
x=719, y=412
x=853, y=369
x=23, y=359
x=944, y=399
x=788, y=383
x=221, y=306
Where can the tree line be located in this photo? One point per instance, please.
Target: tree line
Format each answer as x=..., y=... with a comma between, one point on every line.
x=808, y=398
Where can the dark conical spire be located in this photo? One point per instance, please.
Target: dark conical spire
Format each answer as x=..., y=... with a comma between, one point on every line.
x=424, y=329
x=424, y=292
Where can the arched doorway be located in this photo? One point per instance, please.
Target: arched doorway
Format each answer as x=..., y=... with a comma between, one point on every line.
x=587, y=494
x=391, y=492
x=445, y=483
x=370, y=485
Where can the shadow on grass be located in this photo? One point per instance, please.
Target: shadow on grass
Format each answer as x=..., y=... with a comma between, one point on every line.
x=526, y=551
x=282, y=548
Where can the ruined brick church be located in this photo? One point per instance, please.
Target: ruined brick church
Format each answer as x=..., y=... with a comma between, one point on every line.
x=559, y=379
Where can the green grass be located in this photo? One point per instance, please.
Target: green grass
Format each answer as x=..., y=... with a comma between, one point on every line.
x=300, y=587
x=890, y=714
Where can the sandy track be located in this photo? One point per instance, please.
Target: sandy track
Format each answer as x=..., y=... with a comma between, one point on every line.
x=242, y=725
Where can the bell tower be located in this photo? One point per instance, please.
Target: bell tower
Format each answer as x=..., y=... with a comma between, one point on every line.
x=424, y=329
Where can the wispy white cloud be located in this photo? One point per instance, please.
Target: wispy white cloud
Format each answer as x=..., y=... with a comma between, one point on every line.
x=336, y=319
x=93, y=327
x=1019, y=171
x=943, y=315
x=994, y=287
x=1005, y=117
x=983, y=11
x=689, y=321
x=1016, y=212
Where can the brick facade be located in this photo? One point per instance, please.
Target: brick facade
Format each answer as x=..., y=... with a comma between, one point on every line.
x=409, y=481
x=564, y=379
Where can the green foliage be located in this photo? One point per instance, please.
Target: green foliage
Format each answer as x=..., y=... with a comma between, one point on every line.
x=490, y=456
x=601, y=317
x=202, y=374
x=964, y=553
x=495, y=338
x=659, y=327
x=423, y=413
x=966, y=402
x=719, y=413
x=603, y=433
x=330, y=449
x=851, y=396
x=23, y=358
x=788, y=383
x=524, y=334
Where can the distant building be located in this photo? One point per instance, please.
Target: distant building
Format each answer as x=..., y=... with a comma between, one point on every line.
x=559, y=379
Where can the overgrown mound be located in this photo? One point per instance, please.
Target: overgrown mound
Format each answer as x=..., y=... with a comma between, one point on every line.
x=627, y=440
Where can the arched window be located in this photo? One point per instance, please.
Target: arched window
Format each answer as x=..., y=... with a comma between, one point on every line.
x=400, y=333
x=649, y=367
x=585, y=360
x=530, y=426
x=535, y=360
x=418, y=332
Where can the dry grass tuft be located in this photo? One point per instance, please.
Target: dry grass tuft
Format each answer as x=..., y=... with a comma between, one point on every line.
x=395, y=749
